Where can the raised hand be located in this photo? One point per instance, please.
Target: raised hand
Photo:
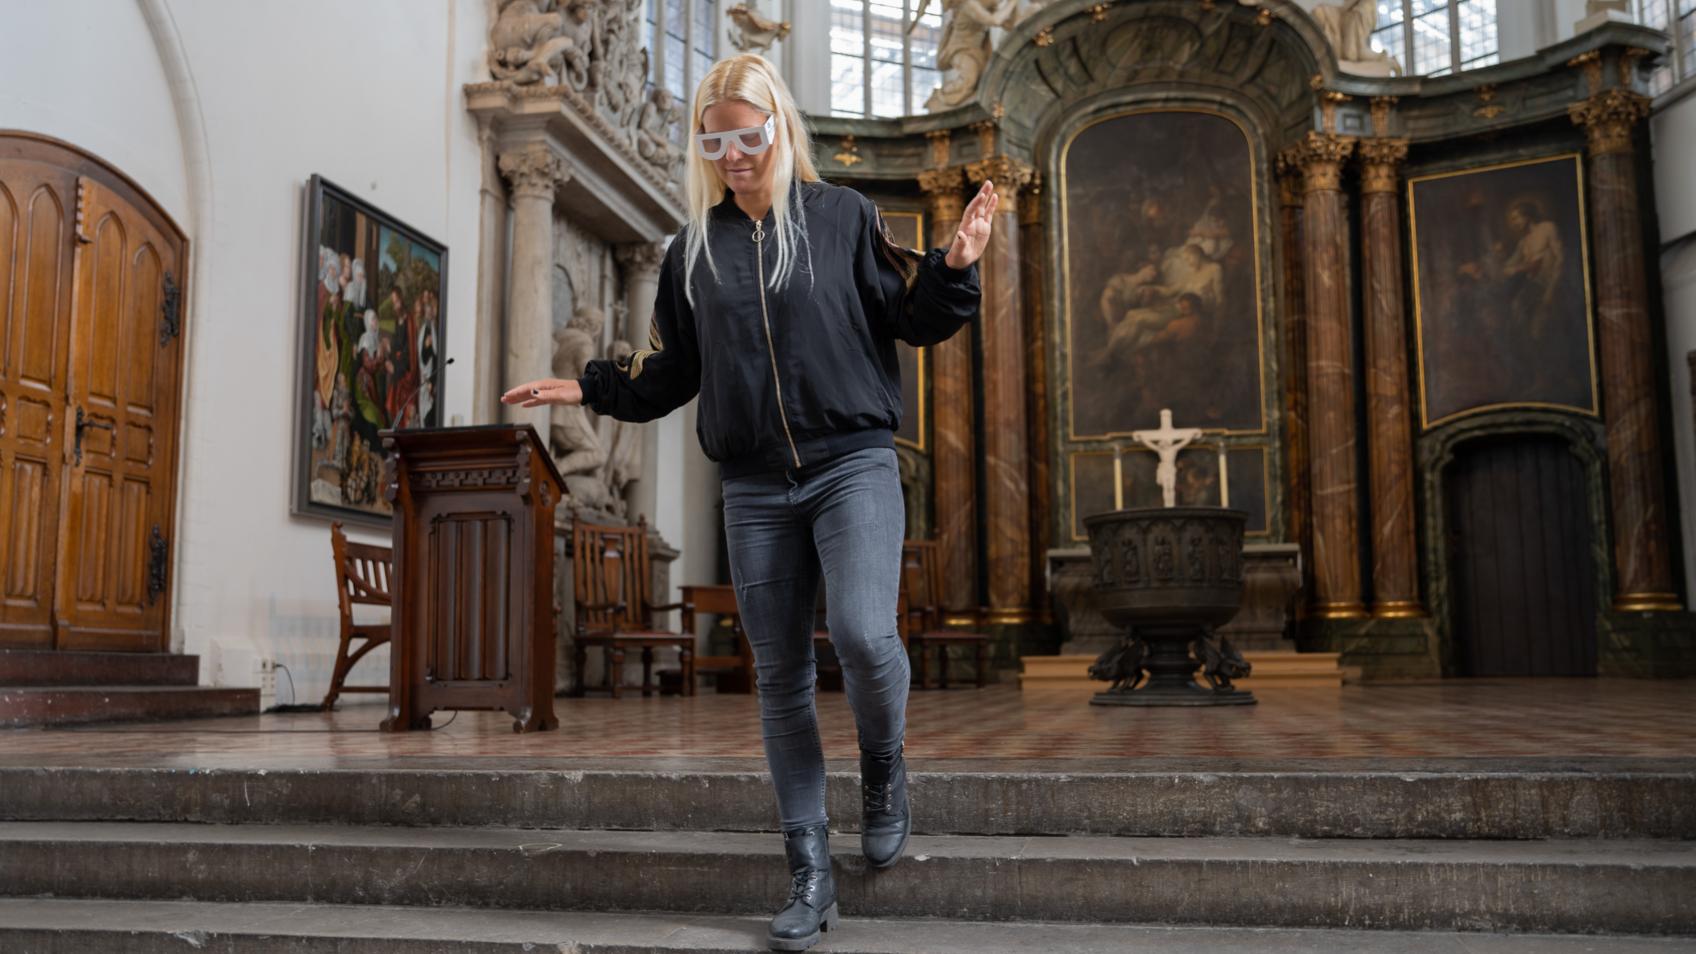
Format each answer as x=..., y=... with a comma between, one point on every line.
x=545, y=391
x=973, y=234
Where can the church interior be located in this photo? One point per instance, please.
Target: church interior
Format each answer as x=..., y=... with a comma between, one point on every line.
x=1379, y=315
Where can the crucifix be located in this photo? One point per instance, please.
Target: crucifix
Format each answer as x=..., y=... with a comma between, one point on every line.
x=1166, y=442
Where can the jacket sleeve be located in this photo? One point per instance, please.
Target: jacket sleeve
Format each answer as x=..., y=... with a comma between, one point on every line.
x=656, y=380
x=910, y=295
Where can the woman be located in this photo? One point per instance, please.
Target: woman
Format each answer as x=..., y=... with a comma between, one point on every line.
x=780, y=303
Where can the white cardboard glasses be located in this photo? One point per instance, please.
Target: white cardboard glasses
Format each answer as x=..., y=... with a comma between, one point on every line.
x=751, y=141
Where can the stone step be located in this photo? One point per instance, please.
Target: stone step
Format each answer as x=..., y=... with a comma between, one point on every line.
x=46, y=667
x=172, y=927
x=1560, y=887
x=1527, y=799
x=70, y=705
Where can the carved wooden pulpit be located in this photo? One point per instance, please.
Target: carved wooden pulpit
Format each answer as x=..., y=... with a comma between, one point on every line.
x=473, y=621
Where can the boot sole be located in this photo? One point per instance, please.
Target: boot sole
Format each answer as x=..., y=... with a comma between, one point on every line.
x=826, y=920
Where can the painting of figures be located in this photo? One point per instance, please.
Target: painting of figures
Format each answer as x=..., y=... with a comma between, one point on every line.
x=371, y=358
x=1501, y=300
x=1160, y=281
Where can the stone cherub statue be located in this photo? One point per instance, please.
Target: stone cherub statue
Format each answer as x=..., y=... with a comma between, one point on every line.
x=964, y=48
x=1348, y=27
x=575, y=444
x=652, y=134
x=752, y=32
x=532, y=43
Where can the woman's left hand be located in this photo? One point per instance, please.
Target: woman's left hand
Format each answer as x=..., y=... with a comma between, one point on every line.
x=973, y=235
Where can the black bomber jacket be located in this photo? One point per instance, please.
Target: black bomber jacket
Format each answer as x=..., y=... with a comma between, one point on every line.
x=793, y=376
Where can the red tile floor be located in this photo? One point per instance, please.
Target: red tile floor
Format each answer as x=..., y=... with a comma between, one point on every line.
x=1460, y=719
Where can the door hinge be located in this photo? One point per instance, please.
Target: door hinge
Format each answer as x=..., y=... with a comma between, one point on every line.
x=170, y=323
x=155, y=566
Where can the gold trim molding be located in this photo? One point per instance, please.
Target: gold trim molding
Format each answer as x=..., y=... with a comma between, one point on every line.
x=1321, y=157
x=1647, y=603
x=1380, y=160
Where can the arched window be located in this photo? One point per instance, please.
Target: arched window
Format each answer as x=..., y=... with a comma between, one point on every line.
x=877, y=68
x=1678, y=18
x=1436, y=37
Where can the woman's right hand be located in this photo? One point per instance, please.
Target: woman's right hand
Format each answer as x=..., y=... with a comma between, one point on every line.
x=545, y=391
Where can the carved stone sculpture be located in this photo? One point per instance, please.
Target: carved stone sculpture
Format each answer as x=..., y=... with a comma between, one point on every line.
x=1348, y=28
x=574, y=443
x=964, y=48
x=752, y=32
x=623, y=441
x=653, y=132
x=619, y=68
x=532, y=43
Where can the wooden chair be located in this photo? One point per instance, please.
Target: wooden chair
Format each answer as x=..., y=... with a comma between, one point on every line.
x=737, y=671
x=362, y=578
x=611, y=571
x=922, y=617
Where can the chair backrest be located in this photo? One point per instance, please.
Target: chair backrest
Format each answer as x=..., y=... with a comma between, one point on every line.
x=363, y=571
x=610, y=565
x=921, y=583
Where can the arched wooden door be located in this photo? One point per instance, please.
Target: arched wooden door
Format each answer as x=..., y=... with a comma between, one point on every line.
x=90, y=370
x=1521, y=555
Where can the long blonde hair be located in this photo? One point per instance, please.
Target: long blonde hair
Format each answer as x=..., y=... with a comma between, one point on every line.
x=752, y=79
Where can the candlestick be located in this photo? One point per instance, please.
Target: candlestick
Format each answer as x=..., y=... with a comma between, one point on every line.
x=1118, y=478
x=1224, y=481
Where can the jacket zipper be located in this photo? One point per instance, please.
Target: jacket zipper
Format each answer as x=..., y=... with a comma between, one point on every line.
x=771, y=349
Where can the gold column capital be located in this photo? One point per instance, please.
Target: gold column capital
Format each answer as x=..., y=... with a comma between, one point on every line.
x=1009, y=175
x=943, y=201
x=1380, y=159
x=1030, y=210
x=1608, y=117
x=1287, y=166
x=1320, y=157
x=534, y=170
x=941, y=141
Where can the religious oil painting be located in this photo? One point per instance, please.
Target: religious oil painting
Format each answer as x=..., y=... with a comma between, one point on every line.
x=1161, y=259
x=371, y=349
x=1197, y=482
x=1501, y=289
x=907, y=228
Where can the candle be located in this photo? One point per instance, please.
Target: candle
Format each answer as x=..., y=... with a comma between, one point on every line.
x=1118, y=478
x=1224, y=480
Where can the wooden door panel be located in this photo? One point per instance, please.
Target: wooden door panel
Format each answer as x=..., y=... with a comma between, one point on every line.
x=36, y=229
x=123, y=380
x=1520, y=565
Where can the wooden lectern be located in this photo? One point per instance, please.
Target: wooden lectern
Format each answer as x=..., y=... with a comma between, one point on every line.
x=473, y=621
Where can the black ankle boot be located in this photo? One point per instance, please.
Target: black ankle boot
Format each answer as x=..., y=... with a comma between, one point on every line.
x=812, y=891
x=887, y=817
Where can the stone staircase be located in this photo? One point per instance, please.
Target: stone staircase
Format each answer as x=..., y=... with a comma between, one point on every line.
x=50, y=687
x=405, y=857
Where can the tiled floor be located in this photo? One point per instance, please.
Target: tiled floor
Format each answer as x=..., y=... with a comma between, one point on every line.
x=1450, y=720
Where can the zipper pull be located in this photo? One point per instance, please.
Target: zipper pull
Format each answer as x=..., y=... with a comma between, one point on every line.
x=759, y=232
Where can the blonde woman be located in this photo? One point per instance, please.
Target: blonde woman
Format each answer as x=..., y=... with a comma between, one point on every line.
x=780, y=304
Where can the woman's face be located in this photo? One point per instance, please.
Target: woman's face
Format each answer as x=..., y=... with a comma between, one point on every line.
x=743, y=173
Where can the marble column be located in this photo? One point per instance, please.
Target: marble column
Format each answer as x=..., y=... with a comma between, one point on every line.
x=1389, y=427
x=641, y=264
x=1006, y=452
x=1032, y=246
x=533, y=170
x=1643, y=578
x=1292, y=305
x=954, y=454
x=486, y=374
x=1330, y=380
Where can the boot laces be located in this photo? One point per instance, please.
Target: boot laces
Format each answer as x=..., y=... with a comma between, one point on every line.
x=802, y=882
x=878, y=798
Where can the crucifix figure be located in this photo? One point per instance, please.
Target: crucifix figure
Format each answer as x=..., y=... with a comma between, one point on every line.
x=1167, y=442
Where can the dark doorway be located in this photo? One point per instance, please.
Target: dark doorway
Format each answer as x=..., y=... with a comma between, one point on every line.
x=1521, y=560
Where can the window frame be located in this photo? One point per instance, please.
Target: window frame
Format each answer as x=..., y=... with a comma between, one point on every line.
x=908, y=9
x=1679, y=65
x=1456, y=63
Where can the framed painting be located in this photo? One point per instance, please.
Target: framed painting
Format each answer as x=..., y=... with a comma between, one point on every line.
x=1160, y=255
x=371, y=349
x=1501, y=289
x=907, y=228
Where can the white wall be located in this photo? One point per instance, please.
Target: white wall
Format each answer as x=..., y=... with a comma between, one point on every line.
x=366, y=94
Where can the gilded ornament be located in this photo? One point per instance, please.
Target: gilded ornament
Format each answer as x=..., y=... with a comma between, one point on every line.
x=1380, y=159
x=849, y=155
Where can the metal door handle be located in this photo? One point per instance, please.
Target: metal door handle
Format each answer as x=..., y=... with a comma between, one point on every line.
x=84, y=422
